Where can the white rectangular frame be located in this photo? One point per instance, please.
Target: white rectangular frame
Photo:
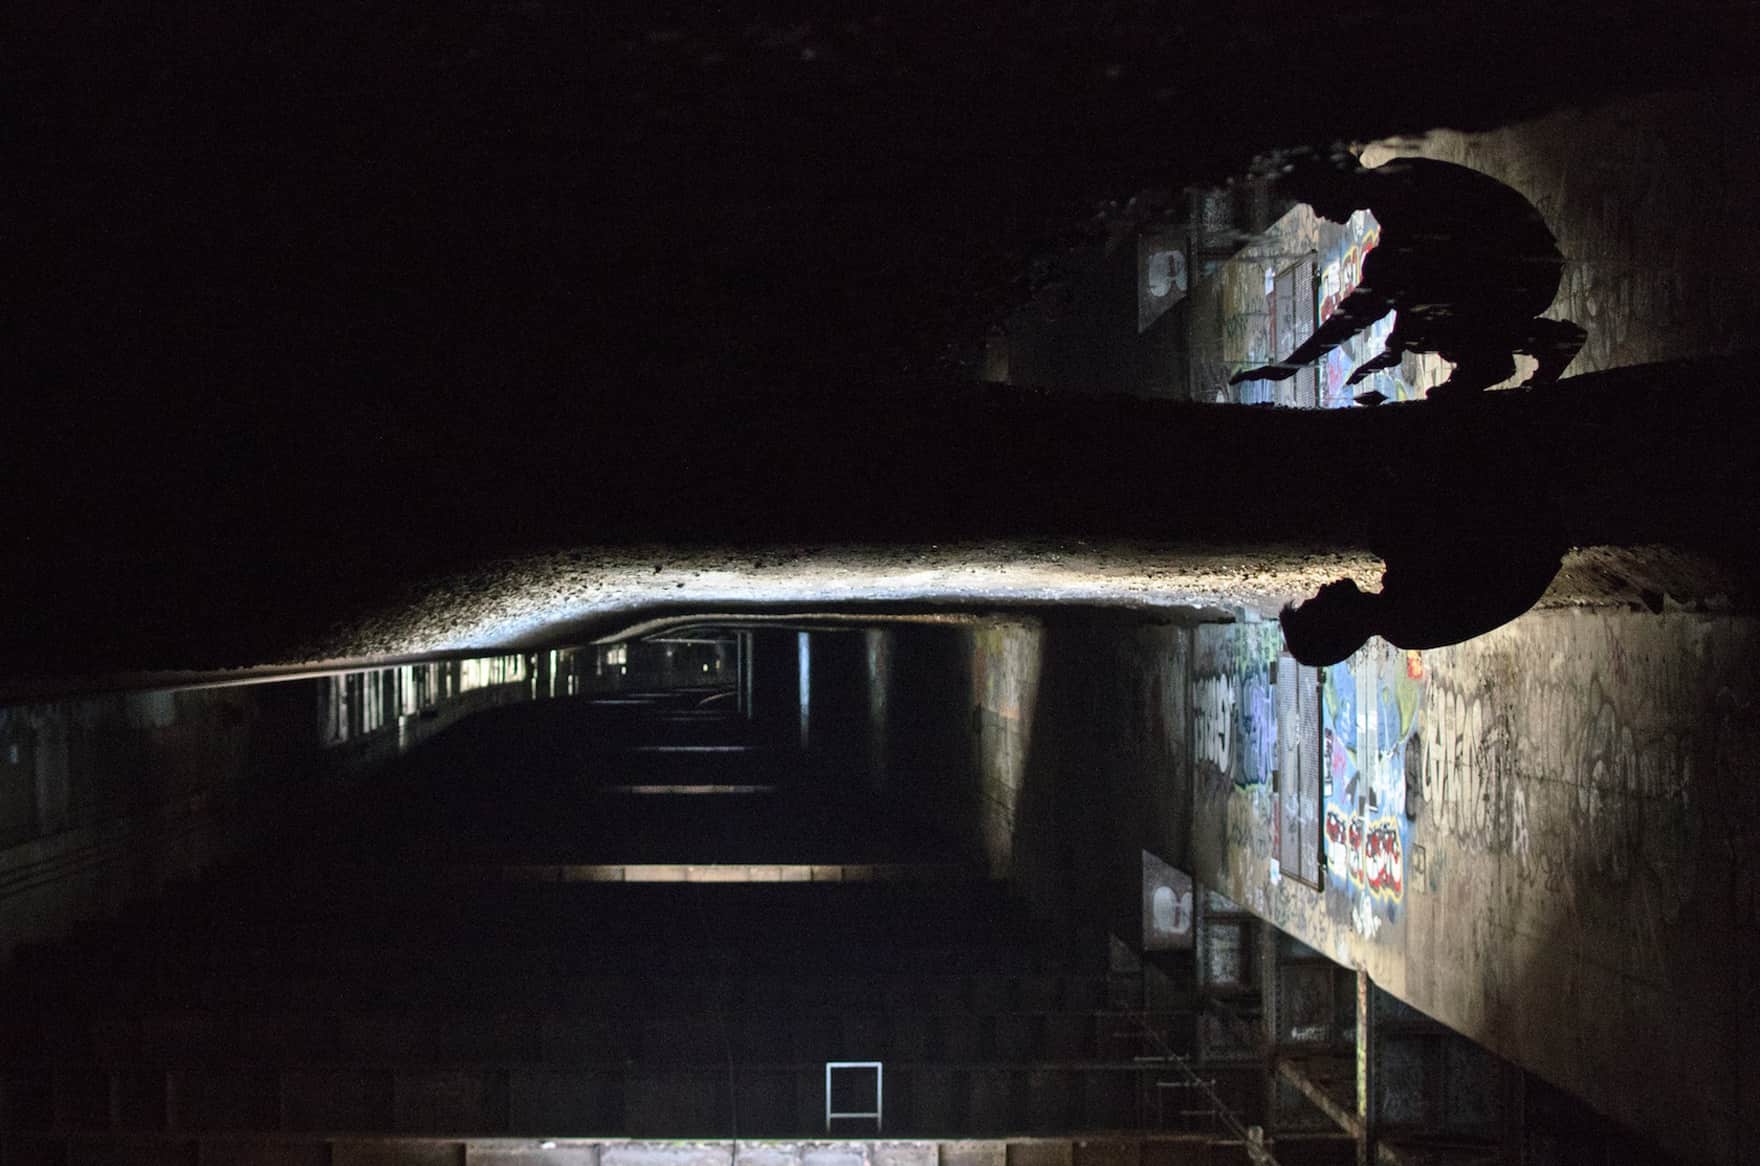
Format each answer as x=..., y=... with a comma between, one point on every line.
x=879, y=1092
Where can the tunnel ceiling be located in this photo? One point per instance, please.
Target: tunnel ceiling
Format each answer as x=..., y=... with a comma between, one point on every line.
x=317, y=302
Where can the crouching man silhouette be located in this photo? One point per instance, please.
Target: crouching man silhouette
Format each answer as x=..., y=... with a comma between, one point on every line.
x=1467, y=263
x=1470, y=567
x=1415, y=608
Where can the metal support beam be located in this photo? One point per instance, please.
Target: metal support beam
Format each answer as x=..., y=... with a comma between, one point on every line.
x=743, y=642
x=1342, y=1116
x=1351, y=1123
x=1270, y=1022
x=1366, y=1059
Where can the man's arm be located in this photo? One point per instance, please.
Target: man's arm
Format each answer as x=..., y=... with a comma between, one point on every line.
x=1359, y=310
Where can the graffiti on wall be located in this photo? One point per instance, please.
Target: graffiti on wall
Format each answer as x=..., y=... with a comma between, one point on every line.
x=1342, y=252
x=1234, y=327
x=1399, y=695
x=1596, y=720
x=1341, y=262
x=1372, y=854
x=1593, y=780
x=1235, y=727
x=1338, y=712
x=1213, y=720
x=1366, y=747
x=1258, y=729
x=1234, y=704
x=1467, y=782
x=1234, y=747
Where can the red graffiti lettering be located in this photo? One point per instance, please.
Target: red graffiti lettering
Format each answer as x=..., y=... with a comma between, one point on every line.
x=1370, y=855
x=1384, y=860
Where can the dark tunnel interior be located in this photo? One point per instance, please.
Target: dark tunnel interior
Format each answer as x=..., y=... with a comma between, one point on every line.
x=615, y=585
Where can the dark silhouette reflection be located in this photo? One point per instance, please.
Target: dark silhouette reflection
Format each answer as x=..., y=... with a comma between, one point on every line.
x=1460, y=563
x=1467, y=262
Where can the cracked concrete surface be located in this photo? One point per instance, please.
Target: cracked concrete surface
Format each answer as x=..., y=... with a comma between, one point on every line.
x=576, y=594
x=580, y=594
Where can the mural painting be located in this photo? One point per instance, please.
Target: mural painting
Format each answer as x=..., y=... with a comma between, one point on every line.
x=1365, y=745
x=1258, y=729
x=1235, y=745
x=1234, y=705
x=1213, y=727
x=1338, y=711
x=1242, y=291
x=1233, y=318
x=1342, y=251
x=1399, y=697
x=1371, y=854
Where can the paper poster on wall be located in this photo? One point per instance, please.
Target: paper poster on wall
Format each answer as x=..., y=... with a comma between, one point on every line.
x=1167, y=906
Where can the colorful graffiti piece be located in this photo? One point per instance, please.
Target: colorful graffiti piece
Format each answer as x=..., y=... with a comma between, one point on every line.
x=1368, y=855
x=1371, y=711
x=1258, y=730
x=1399, y=696
x=1343, y=252
x=1213, y=725
x=1234, y=705
x=1338, y=713
x=1339, y=852
x=1384, y=860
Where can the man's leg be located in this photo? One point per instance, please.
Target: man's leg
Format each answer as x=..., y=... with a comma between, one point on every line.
x=1359, y=310
x=1554, y=343
x=1389, y=357
x=1475, y=370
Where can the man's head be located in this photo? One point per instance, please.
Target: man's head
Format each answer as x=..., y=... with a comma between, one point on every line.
x=1330, y=626
x=1329, y=182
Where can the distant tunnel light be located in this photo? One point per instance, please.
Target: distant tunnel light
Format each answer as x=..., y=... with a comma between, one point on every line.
x=721, y=872
x=488, y=671
x=661, y=790
x=806, y=671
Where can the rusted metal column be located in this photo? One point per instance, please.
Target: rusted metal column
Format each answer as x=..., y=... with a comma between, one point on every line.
x=1271, y=1024
x=1366, y=1084
x=1342, y=1116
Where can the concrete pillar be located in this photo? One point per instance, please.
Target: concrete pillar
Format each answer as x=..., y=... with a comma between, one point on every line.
x=838, y=725
x=877, y=647
x=743, y=671
x=775, y=688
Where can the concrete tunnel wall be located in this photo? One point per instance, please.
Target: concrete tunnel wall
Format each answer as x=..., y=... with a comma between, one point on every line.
x=1648, y=198
x=1574, y=820
x=106, y=799
x=1055, y=749
x=1542, y=838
